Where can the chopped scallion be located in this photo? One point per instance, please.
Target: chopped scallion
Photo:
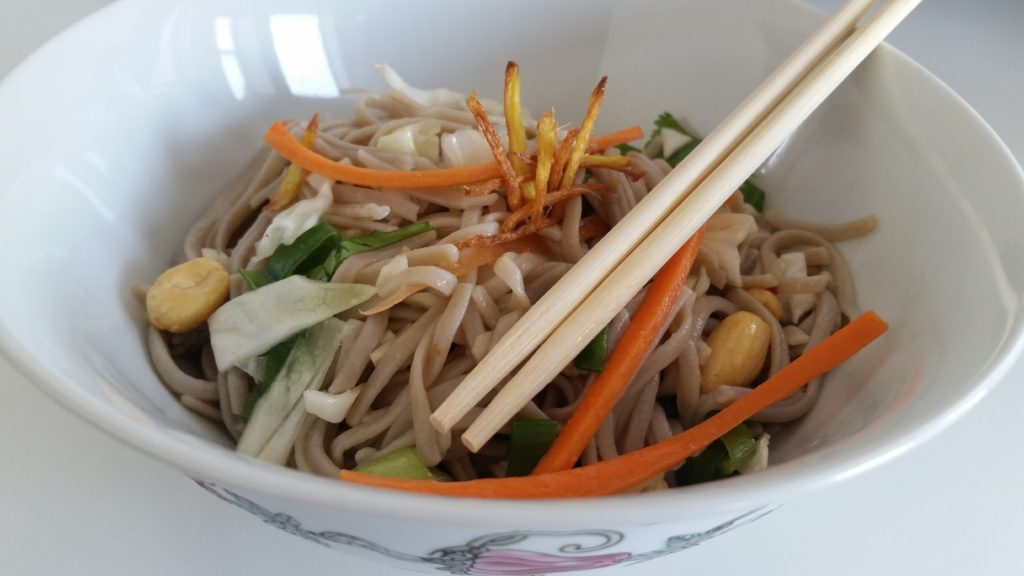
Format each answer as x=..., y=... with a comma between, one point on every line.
x=530, y=440
x=592, y=357
x=404, y=463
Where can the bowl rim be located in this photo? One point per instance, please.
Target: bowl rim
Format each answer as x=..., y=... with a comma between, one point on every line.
x=736, y=494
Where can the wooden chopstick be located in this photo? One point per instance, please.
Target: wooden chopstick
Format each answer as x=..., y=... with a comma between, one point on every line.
x=627, y=279
x=544, y=316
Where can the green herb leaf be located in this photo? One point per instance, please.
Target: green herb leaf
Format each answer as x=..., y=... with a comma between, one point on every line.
x=316, y=254
x=753, y=195
x=682, y=152
x=530, y=440
x=721, y=459
x=319, y=240
x=666, y=120
x=404, y=463
x=703, y=467
x=255, y=278
x=305, y=254
x=627, y=148
x=274, y=360
x=739, y=446
x=380, y=239
x=592, y=358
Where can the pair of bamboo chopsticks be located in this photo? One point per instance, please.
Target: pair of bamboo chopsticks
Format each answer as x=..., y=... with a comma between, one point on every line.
x=566, y=318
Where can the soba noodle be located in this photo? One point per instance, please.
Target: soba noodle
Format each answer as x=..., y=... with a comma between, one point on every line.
x=397, y=365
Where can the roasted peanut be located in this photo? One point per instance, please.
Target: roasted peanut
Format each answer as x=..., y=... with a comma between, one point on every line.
x=184, y=296
x=768, y=300
x=739, y=346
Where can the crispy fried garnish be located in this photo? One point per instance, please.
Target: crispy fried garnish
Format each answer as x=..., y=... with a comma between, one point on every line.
x=483, y=188
x=493, y=239
x=290, y=185
x=514, y=125
x=613, y=162
x=592, y=227
x=476, y=249
x=617, y=163
x=586, y=128
x=520, y=215
x=545, y=157
x=484, y=125
x=562, y=156
x=480, y=255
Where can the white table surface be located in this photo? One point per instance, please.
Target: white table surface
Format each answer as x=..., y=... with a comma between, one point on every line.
x=74, y=501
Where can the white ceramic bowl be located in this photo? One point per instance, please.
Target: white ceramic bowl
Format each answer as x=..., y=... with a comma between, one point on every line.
x=118, y=133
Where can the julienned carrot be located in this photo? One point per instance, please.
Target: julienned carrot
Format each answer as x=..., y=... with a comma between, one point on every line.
x=618, y=474
x=624, y=362
x=623, y=136
x=280, y=139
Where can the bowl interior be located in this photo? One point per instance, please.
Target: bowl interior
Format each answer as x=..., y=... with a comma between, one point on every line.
x=163, y=114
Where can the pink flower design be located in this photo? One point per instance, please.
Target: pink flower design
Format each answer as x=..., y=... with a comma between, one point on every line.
x=511, y=562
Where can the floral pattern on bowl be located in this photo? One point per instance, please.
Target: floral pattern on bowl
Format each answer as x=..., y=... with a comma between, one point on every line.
x=501, y=554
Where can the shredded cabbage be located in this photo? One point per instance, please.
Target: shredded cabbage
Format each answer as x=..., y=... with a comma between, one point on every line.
x=273, y=424
x=330, y=407
x=419, y=138
x=438, y=97
x=254, y=322
x=794, y=265
x=759, y=461
x=724, y=233
x=296, y=219
x=465, y=147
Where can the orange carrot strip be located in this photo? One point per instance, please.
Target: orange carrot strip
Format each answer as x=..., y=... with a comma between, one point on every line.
x=562, y=156
x=623, y=136
x=483, y=124
x=520, y=215
x=545, y=156
x=514, y=125
x=618, y=474
x=624, y=362
x=586, y=127
x=281, y=140
x=292, y=181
